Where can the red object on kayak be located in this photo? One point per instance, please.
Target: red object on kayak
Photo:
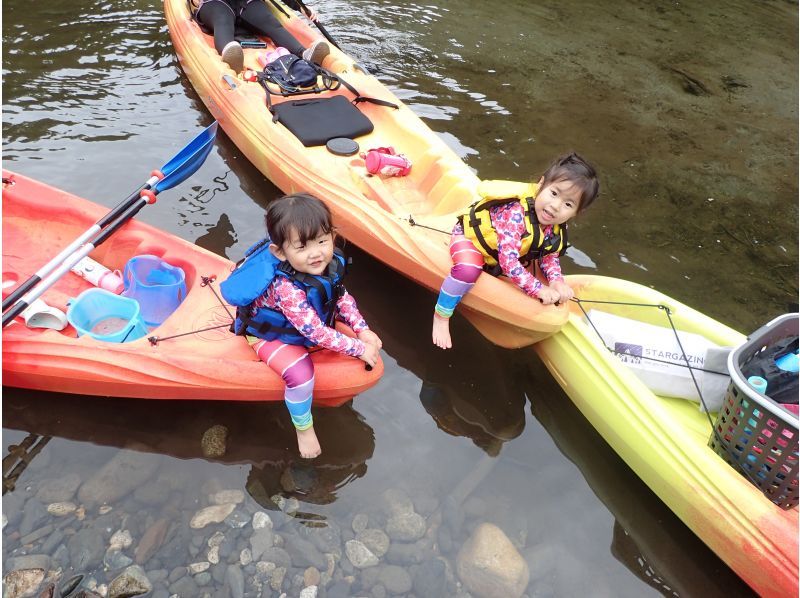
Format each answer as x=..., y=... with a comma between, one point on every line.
x=208, y=363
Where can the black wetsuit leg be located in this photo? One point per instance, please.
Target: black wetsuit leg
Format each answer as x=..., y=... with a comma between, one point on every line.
x=256, y=16
x=218, y=16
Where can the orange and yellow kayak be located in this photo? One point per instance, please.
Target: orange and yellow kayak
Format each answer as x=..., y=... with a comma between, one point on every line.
x=665, y=440
x=206, y=362
x=376, y=213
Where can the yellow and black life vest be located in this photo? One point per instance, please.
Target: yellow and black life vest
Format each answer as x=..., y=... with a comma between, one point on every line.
x=478, y=225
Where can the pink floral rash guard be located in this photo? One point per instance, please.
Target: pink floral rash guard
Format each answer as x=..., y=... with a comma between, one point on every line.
x=292, y=302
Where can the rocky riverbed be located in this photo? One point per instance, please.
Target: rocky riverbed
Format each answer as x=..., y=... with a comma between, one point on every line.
x=130, y=528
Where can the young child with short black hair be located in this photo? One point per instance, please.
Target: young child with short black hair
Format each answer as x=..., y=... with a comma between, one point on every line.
x=296, y=277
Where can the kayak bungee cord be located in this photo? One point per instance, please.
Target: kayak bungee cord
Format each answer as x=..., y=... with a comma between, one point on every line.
x=206, y=281
x=413, y=222
x=692, y=369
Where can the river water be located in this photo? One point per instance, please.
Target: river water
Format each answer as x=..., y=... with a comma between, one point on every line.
x=689, y=112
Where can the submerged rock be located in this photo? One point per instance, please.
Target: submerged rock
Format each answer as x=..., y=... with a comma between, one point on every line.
x=48, y=592
x=60, y=509
x=86, y=549
x=489, y=565
x=360, y=556
x=119, y=477
x=151, y=541
x=120, y=540
x=224, y=497
x=214, y=442
x=374, y=539
x=262, y=520
x=395, y=579
x=212, y=514
x=60, y=489
x=33, y=515
x=406, y=527
x=429, y=579
x=22, y=582
x=131, y=582
x=397, y=502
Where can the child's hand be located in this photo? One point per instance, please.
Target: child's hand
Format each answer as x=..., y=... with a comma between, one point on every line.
x=370, y=354
x=548, y=295
x=564, y=291
x=367, y=336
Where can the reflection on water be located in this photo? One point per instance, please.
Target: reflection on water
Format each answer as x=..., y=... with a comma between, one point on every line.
x=646, y=538
x=175, y=429
x=690, y=113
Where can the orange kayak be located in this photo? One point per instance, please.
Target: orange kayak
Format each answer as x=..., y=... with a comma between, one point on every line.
x=38, y=221
x=378, y=213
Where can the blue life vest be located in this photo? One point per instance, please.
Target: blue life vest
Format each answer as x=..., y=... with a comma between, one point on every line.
x=253, y=275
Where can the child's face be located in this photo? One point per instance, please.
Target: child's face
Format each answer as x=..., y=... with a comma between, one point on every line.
x=557, y=203
x=312, y=257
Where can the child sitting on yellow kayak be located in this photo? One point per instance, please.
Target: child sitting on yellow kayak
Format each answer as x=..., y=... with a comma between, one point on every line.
x=511, y=226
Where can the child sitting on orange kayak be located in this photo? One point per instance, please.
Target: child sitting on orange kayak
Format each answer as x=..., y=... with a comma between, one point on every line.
x=512, y=225
x=289, y=293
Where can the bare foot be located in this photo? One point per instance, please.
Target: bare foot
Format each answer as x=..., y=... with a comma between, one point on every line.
x=308, y=444
x=441, y=332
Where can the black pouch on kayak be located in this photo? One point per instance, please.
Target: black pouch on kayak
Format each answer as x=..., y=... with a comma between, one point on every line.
x=316, y=120
x=291, y=73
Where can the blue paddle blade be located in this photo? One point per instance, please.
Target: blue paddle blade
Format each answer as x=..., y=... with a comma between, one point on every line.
x=190, y=158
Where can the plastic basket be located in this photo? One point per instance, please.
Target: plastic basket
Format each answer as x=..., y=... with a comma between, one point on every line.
x=753, y=433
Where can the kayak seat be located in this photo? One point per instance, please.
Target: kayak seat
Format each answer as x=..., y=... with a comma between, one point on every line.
x=450, y=193
x=315, y=121
x=445, y=190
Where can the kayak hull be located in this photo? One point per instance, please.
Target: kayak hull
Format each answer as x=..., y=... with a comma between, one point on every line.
x=203, y=360
x=664, y=440
x=378, y=214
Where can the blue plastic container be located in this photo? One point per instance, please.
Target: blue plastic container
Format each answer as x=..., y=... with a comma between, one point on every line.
x=759, y=383
x=788, y=362
x=158, y=287
x=105, y=316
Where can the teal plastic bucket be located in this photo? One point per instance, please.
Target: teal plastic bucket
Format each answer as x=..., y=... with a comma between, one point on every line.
x=105, y=316
x=158, y=287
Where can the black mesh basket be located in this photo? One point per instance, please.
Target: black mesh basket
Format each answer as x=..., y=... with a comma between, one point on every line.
x=753, y=433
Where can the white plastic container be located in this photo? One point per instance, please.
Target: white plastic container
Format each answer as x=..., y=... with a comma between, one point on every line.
x=98, y=275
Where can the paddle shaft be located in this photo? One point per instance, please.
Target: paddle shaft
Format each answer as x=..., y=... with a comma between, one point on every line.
x=83, y=238
x=318, y=24
x=72, y=259
x=178, y=169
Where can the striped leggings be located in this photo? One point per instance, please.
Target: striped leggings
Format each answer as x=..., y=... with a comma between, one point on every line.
x=294, y=365
x=467, y=266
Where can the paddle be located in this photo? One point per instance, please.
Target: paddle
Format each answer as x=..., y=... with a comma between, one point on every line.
x=180, y=162
x=325, y=33
x=174, y=172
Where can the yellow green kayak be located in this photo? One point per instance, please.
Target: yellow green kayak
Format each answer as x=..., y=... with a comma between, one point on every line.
x=665, y=440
